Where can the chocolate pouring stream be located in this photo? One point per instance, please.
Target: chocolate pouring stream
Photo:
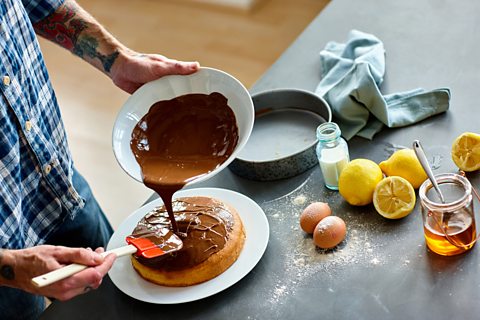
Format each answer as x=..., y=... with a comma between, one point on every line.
x=182, y=139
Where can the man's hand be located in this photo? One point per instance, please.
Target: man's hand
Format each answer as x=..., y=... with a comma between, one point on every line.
x=23, y=265
x=131, y=70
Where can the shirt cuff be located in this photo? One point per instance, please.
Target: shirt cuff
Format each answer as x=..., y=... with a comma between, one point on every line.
x=37, y=10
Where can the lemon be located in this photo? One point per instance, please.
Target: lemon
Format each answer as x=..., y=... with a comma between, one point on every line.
x=466, y=151
x=358, y=180
x=404, y=163
x=394, y=197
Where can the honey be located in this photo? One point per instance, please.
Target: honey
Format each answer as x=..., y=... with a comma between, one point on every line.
x=450, y=238
x=449, y=226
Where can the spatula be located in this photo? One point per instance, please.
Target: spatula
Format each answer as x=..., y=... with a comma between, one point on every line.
x=148, y=245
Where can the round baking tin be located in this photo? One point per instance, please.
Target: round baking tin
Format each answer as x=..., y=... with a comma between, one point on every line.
x=283, y=141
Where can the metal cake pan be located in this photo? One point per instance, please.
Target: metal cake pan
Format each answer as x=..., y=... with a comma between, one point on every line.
x=283, y=141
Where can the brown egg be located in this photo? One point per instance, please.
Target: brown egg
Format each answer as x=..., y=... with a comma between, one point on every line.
x=329, y=232
x=312, y=215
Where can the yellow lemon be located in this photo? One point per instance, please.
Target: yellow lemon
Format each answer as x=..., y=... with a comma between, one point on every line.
x=466, y=151
x=358, y=180
x=404, y=163
x=394, y=197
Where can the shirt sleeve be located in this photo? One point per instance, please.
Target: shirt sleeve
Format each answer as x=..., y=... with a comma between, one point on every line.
x=40, y=9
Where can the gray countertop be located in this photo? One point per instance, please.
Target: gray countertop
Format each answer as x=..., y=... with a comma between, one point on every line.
x=383, y=269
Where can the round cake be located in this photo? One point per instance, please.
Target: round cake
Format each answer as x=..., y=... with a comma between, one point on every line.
x=212, y=234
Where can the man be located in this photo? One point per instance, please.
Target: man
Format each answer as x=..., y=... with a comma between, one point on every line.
x=48, y=216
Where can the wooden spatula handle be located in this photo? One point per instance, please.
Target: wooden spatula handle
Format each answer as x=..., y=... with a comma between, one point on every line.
x=69, y=270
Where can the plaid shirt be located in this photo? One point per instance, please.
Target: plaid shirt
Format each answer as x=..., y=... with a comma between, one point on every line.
x=36, y=192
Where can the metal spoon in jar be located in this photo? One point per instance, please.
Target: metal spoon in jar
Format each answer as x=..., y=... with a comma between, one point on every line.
x=443, y=225
x=417, y=147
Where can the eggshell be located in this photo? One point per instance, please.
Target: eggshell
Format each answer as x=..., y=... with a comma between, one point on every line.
x=329, y=232
x=312, y=215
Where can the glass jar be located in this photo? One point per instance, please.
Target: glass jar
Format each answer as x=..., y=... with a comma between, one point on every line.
x=332, y=153
x=449, y=227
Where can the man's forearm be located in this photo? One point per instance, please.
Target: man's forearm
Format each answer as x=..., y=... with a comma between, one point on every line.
x=74, y=29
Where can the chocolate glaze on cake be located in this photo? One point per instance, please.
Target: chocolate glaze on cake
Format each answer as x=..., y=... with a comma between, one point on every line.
x=182, y=139
x=204, y=225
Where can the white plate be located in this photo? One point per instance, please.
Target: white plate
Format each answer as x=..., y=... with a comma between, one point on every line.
x=257, y=232
x=205, y=80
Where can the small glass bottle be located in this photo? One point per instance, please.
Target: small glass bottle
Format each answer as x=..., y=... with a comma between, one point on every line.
x=332, y=153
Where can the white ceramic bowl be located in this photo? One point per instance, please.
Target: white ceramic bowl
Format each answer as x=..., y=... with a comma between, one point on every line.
x=206, y=80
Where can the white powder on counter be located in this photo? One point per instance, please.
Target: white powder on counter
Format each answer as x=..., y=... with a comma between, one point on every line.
x=303, y=259
x=300, y=200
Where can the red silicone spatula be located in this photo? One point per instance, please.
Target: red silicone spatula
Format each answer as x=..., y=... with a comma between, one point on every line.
x=148, y=245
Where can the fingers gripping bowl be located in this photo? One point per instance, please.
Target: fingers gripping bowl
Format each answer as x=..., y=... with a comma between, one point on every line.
x=206, y=81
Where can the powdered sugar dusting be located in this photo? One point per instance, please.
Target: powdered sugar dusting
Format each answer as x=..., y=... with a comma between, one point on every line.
x=300, y=200
x=325, y=224
x=302, y=259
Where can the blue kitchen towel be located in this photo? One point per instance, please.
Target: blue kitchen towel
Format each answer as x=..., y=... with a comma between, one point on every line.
x=351, y=75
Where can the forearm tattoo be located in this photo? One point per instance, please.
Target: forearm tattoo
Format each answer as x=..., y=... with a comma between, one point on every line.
x=6, y=271
x=66, y=28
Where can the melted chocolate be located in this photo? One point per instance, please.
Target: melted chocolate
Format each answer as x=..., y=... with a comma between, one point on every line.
x=204, y=225
x=161, y=240
x=183, y=139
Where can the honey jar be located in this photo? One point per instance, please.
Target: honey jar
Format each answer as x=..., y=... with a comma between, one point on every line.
x=449, y=226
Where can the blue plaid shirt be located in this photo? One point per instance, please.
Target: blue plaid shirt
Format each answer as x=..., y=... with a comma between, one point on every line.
x=36, y=168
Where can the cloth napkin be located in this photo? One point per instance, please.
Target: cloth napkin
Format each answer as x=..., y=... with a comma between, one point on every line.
x=351, y=75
